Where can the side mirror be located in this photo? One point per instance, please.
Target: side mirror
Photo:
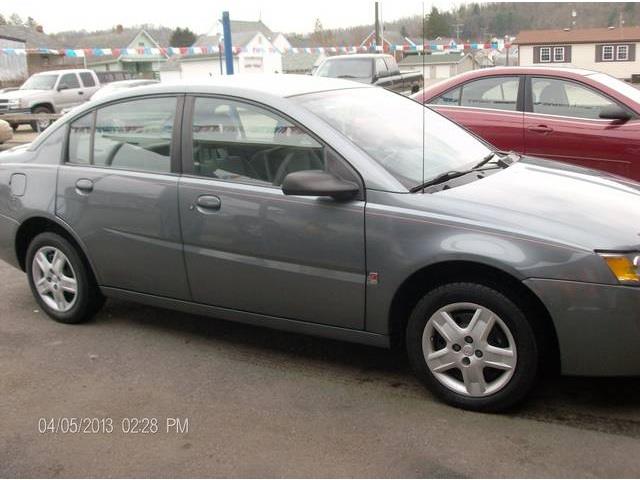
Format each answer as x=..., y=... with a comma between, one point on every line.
x=614, y=112
x=316, y=183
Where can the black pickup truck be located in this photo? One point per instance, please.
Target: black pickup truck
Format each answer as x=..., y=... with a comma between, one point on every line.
x=373, y=68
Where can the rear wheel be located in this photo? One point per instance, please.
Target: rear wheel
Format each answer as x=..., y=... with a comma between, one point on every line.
x=41, y=125
x=60, y=281
x=473, y=347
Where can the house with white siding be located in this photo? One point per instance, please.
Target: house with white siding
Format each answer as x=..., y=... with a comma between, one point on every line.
x=609, y=50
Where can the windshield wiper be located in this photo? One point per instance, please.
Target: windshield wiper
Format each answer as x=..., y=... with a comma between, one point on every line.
x=450, y=175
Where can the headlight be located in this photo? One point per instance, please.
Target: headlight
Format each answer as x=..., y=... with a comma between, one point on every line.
x=14, y=103
x=625, y=267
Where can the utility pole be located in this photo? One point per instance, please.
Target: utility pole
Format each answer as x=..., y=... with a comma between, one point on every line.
x=458, y=29
x=228, y=45
x=377, y=24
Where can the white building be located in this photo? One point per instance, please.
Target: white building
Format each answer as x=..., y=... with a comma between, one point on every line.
x=609, y=50
x=261, y=52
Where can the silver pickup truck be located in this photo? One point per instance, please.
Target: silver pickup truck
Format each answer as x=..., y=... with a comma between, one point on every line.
x=372, y=68
x=49, y=92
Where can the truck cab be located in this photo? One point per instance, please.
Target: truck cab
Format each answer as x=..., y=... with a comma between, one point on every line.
x=49, y=92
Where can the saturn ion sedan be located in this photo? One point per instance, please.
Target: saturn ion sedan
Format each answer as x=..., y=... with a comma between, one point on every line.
x=330, y=208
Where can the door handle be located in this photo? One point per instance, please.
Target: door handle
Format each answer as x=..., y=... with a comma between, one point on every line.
x=84, y=186
x=208, y=204
x=540, y=129
x=80, y=93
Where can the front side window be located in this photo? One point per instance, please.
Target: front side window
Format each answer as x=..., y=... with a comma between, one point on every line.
x=545, y=54
x=500, y=93
x=564, y=98
x=69, y=80
x=381, y=67
x=607, y=53
x=558, y=54
x=243, y=143
x=411, y=142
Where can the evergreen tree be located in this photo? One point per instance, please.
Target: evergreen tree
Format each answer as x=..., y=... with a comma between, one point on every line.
x=182, y=37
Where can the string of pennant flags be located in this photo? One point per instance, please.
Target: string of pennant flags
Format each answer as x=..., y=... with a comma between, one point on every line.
x=215, y=49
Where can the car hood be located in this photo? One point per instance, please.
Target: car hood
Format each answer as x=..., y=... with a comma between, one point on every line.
x=554, y=202
x=21, y=94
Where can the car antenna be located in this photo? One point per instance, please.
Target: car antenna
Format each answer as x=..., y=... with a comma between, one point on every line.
x=421, y=99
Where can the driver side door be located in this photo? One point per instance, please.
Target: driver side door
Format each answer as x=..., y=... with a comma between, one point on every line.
x=69, y=91
x=249, y=247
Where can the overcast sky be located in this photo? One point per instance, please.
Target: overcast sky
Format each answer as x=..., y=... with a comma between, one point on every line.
x=201, y=15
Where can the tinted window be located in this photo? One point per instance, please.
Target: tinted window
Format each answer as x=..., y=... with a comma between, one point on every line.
x=69, y=80
x=87, y=79
x=452, y=97
x=243, y=143
x=499, y=93
x=79, y=150
x=568, y=99
x=135, y=135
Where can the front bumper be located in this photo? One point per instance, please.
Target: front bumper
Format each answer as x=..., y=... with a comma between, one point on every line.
x=598, y=326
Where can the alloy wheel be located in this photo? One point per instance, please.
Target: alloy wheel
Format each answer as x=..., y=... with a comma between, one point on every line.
x=469, y=349
x=54, y=279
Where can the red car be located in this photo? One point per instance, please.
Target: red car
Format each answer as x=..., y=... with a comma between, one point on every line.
x=577, y=116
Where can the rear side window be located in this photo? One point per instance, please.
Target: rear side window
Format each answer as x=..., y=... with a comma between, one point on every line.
x=569, y=99
x=79, y=149
x=135, y=135
x=69, y=80
x=87, y=79
x=452, y=97
x=499, y=93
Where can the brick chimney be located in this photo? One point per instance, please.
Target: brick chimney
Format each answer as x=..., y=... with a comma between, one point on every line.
x=39, y=28
x=119, y=28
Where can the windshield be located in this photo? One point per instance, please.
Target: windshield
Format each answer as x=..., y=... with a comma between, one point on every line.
x=389, y=127
x=347, y=68
x=40, y=82
x=622, y=87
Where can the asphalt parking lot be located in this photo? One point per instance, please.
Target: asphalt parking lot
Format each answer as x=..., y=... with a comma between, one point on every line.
x=24, y=134
x=266, y=403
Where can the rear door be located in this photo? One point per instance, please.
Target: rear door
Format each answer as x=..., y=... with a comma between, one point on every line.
x=90, y=84
x=248, y=246
x=118, y=190
x=490, y=107
x=562, y=123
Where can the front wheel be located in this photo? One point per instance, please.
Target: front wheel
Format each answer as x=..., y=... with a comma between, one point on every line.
x=60, y=281
x=40, y=125
x=473, y=347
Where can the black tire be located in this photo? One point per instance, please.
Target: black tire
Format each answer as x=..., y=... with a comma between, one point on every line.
x=34, y=124
x=524, y=375
x=14, y=126
x=88, y=299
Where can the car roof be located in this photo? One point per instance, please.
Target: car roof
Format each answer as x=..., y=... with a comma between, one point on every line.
x=359, y=55
x=277, y=85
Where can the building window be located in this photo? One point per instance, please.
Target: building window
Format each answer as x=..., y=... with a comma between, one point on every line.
x=607, y=53
x=558, y=54
x=622, y=53
x=545, y=54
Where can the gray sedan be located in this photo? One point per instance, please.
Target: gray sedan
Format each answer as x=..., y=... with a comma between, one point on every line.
x=331, y=208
